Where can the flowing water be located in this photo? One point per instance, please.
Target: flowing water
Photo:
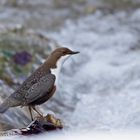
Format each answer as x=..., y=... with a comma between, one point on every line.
x=101, y=85
x=99, y=89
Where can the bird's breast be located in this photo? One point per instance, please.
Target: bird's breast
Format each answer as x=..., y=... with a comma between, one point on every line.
x=56, y=73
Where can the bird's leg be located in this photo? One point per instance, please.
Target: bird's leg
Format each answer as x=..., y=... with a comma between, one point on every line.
x=33, y=107
x=30, y=110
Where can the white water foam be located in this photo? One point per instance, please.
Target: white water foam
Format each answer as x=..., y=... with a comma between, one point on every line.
x=102, y=83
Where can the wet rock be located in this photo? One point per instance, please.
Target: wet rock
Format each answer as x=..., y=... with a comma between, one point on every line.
x=47, y=123
x=21, y=51
x=39, y=125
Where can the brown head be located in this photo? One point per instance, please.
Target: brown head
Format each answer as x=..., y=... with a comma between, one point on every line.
x=57, y=54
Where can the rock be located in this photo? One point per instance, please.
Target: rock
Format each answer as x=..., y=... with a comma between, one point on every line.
x=39, y=125
x=20, y=52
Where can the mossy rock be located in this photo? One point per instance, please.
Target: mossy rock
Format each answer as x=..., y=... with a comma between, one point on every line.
x=22, y=45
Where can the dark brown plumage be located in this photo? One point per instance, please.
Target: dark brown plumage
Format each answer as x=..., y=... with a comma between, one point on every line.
x=39, y=87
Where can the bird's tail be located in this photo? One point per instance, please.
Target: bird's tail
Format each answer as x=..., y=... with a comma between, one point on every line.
x=3, y=107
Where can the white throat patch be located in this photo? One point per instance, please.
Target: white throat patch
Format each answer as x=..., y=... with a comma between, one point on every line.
x=59, y=64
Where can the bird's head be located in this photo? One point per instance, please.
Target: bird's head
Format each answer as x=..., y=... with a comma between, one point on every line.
x=59, y=55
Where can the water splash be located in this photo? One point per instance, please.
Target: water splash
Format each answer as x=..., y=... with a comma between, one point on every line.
x=102, y=84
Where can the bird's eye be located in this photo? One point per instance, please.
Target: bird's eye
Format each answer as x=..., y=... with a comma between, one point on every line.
x=63, y=53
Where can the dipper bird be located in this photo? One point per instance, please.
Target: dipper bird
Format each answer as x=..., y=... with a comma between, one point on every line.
x=40, y=85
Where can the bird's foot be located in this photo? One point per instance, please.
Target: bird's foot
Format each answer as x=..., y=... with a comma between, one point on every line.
x=38, y=112
x=40, y=117
x=50, y=119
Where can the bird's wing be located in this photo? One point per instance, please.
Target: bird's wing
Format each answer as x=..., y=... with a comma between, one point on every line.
x=43, y=86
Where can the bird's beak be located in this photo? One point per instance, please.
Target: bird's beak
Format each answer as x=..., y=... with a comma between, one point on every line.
x=72, y=52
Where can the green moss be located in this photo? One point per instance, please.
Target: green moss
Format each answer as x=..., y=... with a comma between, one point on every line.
x=15, y=42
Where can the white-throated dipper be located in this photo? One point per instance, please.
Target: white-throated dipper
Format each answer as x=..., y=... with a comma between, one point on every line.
x=40, y=85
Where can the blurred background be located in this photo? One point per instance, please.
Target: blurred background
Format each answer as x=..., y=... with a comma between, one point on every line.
x=99, y=89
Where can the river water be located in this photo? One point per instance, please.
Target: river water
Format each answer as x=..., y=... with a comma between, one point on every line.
x=99, y=89
x=102, y=84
